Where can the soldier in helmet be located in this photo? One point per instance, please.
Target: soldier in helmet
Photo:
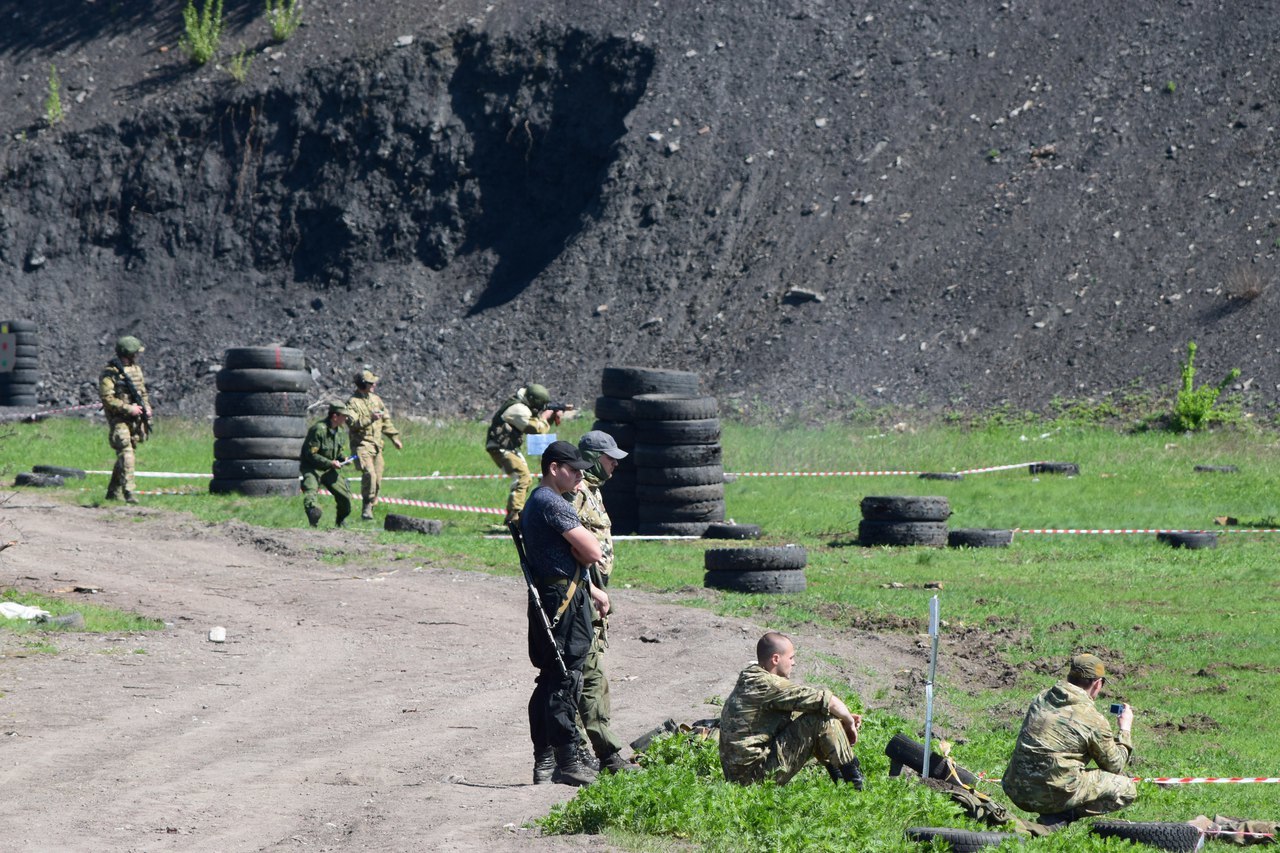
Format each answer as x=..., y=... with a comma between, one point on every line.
x=370, y=422
x=324, y=452
x=519, y=415
x=128, y=408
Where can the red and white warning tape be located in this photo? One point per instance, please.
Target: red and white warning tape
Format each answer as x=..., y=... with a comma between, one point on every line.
x=162, y=474
x=172, y=492
x=41, y=413
x=1012, y=467
x=1186, y=780
x=383, y=499
x=448, y=477
x=823, y=473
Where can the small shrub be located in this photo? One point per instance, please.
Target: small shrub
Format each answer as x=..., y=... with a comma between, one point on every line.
x=1196, y=408
x=239, y=65
x=285, y=16
x=203, y=30
x=1244, y=284
x=53, y=101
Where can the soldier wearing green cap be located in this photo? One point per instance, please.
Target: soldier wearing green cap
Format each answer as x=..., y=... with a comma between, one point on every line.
x=522, y=414
x=1061, y=733
x=324, y=452
x=123, y=391
x=370, y=422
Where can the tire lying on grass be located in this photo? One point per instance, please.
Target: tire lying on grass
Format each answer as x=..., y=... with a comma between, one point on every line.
x=788, y=580
x=930, y=533
x=1071, y=469
x=1215, y=469
x=411, y=524
x=256, y=487
x=977, y=537
x=1190, y=540
x=38, y=481
x=1165, y=836
x=905, y=752
x=905, y=508
x=60, y=470
x=959, y=840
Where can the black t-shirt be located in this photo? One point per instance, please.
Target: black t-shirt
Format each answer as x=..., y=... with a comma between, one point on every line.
x=546, y=517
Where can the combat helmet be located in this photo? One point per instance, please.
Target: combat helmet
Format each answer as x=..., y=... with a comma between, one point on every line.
x=129, y=345
x=536, y=395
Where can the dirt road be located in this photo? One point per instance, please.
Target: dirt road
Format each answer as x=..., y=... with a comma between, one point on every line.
x=362, y=707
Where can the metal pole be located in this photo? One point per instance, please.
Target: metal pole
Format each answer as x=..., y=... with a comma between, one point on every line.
x=928, y=685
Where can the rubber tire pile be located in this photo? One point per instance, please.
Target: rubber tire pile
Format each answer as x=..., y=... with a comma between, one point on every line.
x=904, y=520
x=774, y=569
x=672, y=481
x=261, y=419
x=18, y=387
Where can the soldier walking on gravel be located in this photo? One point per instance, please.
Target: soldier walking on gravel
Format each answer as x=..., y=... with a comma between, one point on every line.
x=522, y=414
x=324, y=452
x=1060, y=734
x=370, y=422
x=559, y=549
x=594, y=707
x=770, y=726
x=123, y=390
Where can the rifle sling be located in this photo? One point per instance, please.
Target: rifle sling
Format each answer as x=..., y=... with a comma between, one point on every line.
x=570, y=592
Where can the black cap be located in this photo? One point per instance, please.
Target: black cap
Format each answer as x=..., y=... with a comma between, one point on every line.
x=566, y=454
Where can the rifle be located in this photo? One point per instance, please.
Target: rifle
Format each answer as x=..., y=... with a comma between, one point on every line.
x=135, y=395
x=518, y=539
x=559, y=407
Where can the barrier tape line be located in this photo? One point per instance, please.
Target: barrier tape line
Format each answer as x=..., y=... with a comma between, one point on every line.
x=170, y=492
x=1111, y=530
x=1185, y=780
x=41, y=413
x=163, y=474
x=383, y=499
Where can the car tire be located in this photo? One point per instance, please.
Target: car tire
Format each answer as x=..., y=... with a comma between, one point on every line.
x=679, y=494
x=905, y=752
x=1158, y=834
x=256, y=448
x=630, y=382
x=695, y=476
x=259, y=379
x=976, y=537
x=260, y=426
x=698, y=511
x=1071, y=469
x=697, y=431
x=257, y=487
x=673, y=407
x=59, y=470
x=671, y=528
x=230, y=404
x=267, y=358
x=756, y=581
x=757, y=559
x=614, y=409
x=905, y=508
x=677, y=455
x=1192, y=541
x=255, y=469
x=902, y=533
x=727, y=530
x=38, y=481
x=959, y=840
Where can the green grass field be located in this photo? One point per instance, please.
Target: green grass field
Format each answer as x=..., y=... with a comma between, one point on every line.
x=1192, y=633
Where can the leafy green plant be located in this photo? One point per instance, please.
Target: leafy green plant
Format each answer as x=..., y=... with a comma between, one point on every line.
x=1170, y=87
x=203, y=30
x=285, y=16
x=239, y=65
x=1195, y=408
x=53, y=113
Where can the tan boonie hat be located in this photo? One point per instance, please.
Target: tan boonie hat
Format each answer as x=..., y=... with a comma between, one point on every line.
x=366, y=377
x=1087, y=667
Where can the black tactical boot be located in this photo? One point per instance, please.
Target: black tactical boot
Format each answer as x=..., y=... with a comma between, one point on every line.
x=833, y=773
x=852, y=773
x=588, y=757
x=615, y=763
x=544, y=765
x=569, y=767
x=313, y=515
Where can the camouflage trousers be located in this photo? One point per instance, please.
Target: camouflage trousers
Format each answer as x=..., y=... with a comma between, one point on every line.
x=371, y=463
x=1100, y=792
x=336, y=483
x=123, y=441
x=807, y=736
x=594, y=707
x=514, y=466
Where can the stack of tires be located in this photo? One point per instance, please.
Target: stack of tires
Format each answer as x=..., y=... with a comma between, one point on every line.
x=18, y=384
x=673, y=481
x=261, y=410
x=904, y=520
x=776, y=569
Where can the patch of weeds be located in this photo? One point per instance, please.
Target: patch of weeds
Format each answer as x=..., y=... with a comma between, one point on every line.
x=53, y=112
x=239, y=65
x=1170, y=87
x=139, y=651
x=1195, y=408
x=202, y=30
x=993, y=155
x=40, y=647
x=285, y=16
x=1244, y=284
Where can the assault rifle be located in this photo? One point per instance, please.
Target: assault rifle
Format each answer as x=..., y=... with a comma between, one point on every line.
x=518, y=539
x=135, y=395
x=559, y=407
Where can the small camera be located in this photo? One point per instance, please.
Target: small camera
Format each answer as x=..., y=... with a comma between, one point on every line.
x=1117, y=708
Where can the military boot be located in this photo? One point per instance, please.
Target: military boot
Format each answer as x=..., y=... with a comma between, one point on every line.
x=588, y=758
x=313, y=515
x=615, y=763
x=569, y=767
x=367, y=513
x=852, y=773
x=834, y=773
x=544, y=765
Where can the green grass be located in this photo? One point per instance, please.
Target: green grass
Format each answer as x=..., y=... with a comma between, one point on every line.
x=1191, y=634
x=97, y=619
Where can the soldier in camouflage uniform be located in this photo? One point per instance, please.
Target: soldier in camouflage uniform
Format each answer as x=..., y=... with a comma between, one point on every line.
x=594, y=707
x=519, y=415
x=1061, y=733
x=324, y=452
x=369, y=421
x=128, y=407
x=770, y=727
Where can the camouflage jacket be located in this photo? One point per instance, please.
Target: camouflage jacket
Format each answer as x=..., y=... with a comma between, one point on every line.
x=588, y=503
x=759, y=706
x=114, y=392
x=365, y=429
x=321, y=446
x=513, y=420
x=1061, y=732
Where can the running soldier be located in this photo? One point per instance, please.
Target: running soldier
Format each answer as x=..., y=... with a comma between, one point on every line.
x=520, y=415
x=123, y=390
x=324, y=452
x=369, y=420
